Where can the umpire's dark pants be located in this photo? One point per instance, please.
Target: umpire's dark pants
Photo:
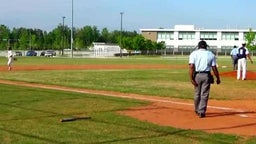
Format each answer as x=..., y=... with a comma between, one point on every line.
x=202, y=92
x=234, y=61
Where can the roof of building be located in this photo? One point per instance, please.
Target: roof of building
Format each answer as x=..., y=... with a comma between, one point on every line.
x=193, y=28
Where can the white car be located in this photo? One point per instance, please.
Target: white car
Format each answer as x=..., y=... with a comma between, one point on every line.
x=50, y=53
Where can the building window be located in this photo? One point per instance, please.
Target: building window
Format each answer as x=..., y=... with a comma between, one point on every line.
x=230, y=36
x=186, y=49
x=171, y=36
x=208, y=36
x=186, y=35
x=165, y=36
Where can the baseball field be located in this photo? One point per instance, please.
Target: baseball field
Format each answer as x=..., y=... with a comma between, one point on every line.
x=133, y=100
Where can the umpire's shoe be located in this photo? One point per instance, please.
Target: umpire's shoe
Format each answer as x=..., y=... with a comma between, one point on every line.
x=201, y=115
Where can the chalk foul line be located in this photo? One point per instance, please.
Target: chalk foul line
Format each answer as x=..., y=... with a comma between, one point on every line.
x=117, y=94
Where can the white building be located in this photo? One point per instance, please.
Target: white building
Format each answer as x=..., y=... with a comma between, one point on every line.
x=105, y=50
x=186, y=37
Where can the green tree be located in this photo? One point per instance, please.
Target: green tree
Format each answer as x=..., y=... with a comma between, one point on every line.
x=114, y=36
x=4, y=36
x=67, y=35
x=84, y=37
x=104, y=37
x=24, y=38
x=250, y=40
x=57, y=37
x=37, y=39
x=95, y=34
x=139, y=43
x=149, y=46
x=127, y=43
x=129, y=34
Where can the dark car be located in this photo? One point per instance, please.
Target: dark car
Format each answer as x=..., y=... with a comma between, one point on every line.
x=42, y=53
x=49, y=53
x=31, y=53
x=18, y=53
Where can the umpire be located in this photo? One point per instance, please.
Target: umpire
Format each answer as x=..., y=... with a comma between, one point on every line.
x=201, y=61
x=234, y=57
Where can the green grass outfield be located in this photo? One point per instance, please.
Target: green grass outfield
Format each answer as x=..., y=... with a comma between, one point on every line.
x=31, y=115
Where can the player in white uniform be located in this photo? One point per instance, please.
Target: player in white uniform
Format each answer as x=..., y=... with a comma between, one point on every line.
x=242, y=54
x=10, y=58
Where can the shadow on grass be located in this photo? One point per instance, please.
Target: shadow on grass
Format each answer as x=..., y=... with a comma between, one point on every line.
x=31, y=136
x=219, y=114
x=52, y=114
x=161, y=132
x=231, y=127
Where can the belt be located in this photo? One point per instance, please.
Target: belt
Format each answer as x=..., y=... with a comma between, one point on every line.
x=197, y=72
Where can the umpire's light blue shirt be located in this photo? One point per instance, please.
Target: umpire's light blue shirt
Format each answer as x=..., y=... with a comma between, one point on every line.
x=234, y=51
x=202, y=59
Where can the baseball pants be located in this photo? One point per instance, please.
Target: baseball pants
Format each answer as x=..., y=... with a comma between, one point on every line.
x=201, y=92
x=241, y=66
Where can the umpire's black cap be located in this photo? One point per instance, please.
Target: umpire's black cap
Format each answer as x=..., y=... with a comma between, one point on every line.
x=202, y=44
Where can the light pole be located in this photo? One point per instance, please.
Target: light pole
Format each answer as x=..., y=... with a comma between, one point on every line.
x=63, y=34
x=121, y=31
x=30, y=42
x=71, y=39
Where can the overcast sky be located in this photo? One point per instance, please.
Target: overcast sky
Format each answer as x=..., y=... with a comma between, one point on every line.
x=47, y=14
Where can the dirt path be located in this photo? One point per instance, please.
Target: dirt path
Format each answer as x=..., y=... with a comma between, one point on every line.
x=231, y=117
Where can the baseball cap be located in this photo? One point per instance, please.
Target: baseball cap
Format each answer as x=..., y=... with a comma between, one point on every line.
x=202, y=44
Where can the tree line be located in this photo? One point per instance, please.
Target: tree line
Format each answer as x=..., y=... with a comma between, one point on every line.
x=59, y=38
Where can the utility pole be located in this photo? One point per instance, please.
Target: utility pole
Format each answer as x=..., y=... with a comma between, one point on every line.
x=30, y=42
x=72, y=13
x=121, y=31
x=63, y=34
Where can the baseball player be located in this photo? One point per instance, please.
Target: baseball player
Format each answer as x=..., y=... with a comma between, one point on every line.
x=10, y=58
x=201, y=61
x=242, y=54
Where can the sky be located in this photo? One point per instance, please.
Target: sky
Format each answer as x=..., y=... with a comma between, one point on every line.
x=137, y=14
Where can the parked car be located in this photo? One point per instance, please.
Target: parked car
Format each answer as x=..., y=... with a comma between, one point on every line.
x=49, y=53
x=31, y=53
x=18, y=53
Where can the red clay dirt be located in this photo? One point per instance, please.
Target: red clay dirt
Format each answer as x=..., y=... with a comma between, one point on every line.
x=231, y=117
